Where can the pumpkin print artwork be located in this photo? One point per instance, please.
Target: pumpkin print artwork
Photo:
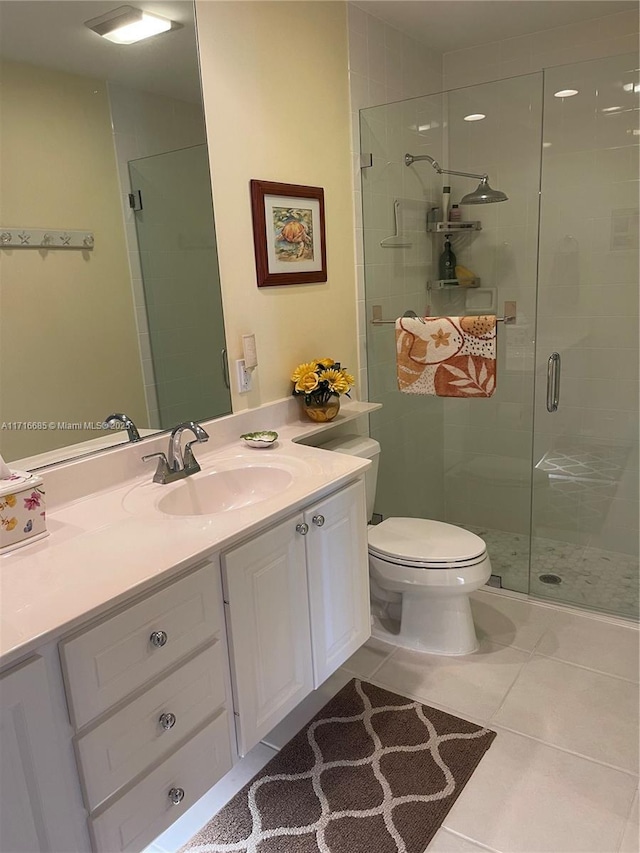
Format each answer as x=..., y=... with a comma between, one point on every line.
x=293, y=229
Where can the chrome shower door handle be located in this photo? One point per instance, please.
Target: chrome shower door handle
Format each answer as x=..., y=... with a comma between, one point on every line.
x=553, y=382
x=225, y=367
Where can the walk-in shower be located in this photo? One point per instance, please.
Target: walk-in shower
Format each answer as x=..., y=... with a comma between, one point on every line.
x=553, y=493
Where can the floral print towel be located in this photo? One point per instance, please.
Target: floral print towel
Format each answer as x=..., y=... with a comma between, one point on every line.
x=447, y=356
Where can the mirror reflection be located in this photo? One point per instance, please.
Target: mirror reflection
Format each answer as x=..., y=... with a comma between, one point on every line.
x=107, y=139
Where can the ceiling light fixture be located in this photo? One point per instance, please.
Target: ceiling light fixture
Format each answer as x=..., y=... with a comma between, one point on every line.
x=565, y=93
x=126, y=25
x=475, y=117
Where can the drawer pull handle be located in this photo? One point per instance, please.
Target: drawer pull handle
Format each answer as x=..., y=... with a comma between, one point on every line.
x=302, y=529
x=176, y=795
x=158, y=639
x=167, y=721
x=318, y=520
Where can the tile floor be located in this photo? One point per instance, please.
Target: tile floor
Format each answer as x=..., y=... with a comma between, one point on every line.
x=604, y=580
x=560, y=687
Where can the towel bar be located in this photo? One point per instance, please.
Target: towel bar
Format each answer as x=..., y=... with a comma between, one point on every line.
x=509, y=315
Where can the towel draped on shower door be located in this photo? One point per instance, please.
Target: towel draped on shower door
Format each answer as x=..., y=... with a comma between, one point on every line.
x=447, y=356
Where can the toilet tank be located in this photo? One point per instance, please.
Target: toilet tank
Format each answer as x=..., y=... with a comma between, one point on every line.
x=365, y=447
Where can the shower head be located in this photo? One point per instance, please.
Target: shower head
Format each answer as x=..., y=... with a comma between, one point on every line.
x=484, y=194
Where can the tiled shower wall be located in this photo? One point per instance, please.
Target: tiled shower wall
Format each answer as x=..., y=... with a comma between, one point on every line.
x=487, y=443
x=607, y=36
x=386, y=66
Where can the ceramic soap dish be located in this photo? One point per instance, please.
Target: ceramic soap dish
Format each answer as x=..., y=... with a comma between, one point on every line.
x=264, y=438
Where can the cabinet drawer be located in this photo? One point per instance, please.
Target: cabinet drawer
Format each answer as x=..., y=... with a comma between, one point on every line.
x=117, y=656
x=140, y=815
x=132, y=739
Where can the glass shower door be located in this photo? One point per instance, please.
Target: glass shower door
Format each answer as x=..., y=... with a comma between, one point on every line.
x=584, y=547
x=179, y=260
x=462, y=461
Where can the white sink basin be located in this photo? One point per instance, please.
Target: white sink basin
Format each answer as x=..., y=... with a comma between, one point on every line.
x=221, y=491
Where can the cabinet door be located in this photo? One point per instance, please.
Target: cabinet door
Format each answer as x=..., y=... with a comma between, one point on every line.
x=338, y=575
x=34, y=809
x=267, y=606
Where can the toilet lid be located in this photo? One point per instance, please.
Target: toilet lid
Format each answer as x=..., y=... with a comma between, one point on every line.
x=424, y=541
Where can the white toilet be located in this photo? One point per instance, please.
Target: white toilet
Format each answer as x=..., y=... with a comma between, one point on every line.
x=422, y=572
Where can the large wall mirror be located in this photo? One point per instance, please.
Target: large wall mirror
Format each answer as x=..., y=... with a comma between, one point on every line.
x=133, y=323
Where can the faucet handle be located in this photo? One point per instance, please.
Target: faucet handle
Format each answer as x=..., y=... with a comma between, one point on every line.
x=163, y=470
x=190, y=462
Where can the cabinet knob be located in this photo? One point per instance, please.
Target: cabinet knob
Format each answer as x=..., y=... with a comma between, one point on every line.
x=302, y=529
x=158, y=639
x=318, y=520
x=167, y=721
x=176, y=795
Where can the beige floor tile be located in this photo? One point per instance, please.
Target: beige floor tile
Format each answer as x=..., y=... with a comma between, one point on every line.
x=593, y=643
x=631, y=838
x=368, y=658
x=470, y=684
x=509, y=621
x=526, y=797
x=575, y=709
x=448, y=842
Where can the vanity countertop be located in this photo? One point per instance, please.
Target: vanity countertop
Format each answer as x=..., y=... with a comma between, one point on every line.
x=113, y=544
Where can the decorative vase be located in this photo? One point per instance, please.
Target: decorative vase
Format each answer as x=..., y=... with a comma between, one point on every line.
x=321, y=412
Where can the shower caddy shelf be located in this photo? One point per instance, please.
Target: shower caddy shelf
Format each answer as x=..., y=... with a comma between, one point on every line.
x=452, y=227
x=451, y=283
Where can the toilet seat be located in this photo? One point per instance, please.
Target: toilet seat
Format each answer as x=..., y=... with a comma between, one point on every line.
x=425, y=544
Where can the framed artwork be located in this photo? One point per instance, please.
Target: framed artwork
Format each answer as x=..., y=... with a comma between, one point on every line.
x=288, y=233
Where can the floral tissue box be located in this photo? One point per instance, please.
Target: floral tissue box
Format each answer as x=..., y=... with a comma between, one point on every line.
x=22, y=510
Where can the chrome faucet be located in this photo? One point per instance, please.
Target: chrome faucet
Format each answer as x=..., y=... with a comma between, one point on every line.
x=120, y=417
x=175, y=466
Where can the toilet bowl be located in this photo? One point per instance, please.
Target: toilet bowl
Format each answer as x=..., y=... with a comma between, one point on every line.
x=422, y=573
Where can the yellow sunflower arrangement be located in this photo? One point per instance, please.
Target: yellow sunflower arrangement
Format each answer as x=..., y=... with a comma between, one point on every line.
x=320, y=380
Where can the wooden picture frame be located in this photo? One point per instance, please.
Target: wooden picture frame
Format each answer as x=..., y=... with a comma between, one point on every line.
x=288, y=233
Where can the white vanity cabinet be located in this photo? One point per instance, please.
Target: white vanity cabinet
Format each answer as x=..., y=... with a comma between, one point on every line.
x=147, y=695
x=338, y=576
x=297, y=606
x=34, y=797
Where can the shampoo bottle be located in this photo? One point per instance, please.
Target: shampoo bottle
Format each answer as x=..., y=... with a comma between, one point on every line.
x=446, y=198
x=447, y=264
